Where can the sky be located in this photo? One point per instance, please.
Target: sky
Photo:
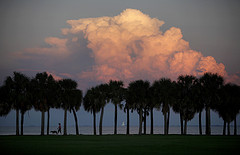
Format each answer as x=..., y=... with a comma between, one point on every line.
x=97, y=40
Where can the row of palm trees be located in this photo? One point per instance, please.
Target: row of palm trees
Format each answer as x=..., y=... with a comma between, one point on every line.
x=187, y=96
x=41, y=93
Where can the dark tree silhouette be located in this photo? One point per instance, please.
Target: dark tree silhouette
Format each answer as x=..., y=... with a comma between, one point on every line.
x=228, y=107
x=75, y=105
x=138, y=92
x=5, y=102
x=186, y=96
x=177, y=106
x=18, y=96
x=25, y=100
x=116, y=94
x=198, y=100
x=151, y=105
x=186, y=99
x=91, y=103
x=39, y=91
x=69, y=99
x=103, y=98
x=164, y=90
x=10, y=85
x=53, y=97
x=211, y=84
x=128, y=106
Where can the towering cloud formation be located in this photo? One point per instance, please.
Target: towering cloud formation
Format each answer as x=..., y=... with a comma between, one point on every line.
x=125, y=47
x=132, y=46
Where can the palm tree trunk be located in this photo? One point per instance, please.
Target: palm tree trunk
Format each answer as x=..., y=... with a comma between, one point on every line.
x=200, y=122
x=65, y=122
x=22, y=120
x=94, y=123
x=208, y=121
x=115, y=120
x=165, y=123
x=42, y=123
x=228, y=127
x=224, y=128
x=17, y=122
x=145, y=121
x=101, y=120
x=235, y=125
x=181, y=122
x=151, y=121
x=76, y=121
x=48, y=113
x=140, y=122
x=128, y=121
x=185, y=127
x=168, y=117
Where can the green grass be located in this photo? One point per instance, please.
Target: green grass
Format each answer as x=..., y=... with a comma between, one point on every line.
x=120, y=144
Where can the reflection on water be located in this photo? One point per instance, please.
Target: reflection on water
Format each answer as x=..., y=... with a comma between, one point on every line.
x=216, y=130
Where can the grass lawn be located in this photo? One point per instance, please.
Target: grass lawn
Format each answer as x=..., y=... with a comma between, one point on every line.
x=120, y=144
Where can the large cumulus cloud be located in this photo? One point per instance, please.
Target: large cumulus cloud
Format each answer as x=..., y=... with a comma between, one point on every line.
x=131, y=45
x=126, y=47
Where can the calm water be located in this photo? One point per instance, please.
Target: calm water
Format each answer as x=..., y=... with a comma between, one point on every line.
x=216, y=130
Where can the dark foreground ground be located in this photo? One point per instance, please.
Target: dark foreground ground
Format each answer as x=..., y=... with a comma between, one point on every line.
x=120, y=144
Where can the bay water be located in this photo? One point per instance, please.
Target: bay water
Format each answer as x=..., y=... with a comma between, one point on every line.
x=88, y=130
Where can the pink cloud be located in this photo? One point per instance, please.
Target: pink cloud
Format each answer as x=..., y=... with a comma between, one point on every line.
x=57, y=47
x=56, y=77
x=127, y=47
x=234, y=78
x=131, y=46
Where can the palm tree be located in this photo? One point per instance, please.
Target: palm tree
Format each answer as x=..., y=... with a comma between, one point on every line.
x=75, y=105
x=164, y=95
x=25, y=100
x=228, y=107
x=187, y=109
x=39, y=91
x=103, y=99
x=10, y=86
x=5, y=104
x=116, y=95
x=211, y=84
x=177, y=105
x=23, y=95
x=197, y=91
x=138, y=91
x=17, y=89
x=145, y=114
x=128, y=106
x=67, y=87
x=236, y=106
x=53, y=97
x=151, y=104
x=91, y=103
x=235, y=103
x=156, y=98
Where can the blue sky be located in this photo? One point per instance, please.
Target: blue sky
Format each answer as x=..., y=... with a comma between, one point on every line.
x=210, y=27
